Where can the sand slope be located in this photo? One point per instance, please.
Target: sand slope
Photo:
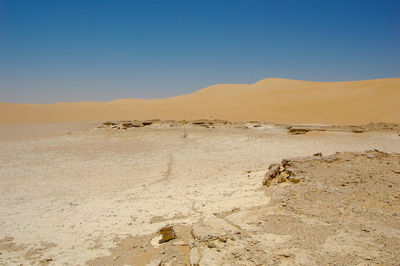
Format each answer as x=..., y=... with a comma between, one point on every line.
x=274, y=100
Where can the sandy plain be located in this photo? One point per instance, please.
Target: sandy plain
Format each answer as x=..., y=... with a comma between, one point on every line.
x=89, y=193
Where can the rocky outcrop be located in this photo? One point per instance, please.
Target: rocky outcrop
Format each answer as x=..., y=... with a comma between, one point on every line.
x=279, y=173
x=127, y=124
x=297, y=131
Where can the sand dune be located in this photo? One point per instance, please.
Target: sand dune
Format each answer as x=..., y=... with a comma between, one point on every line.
x=273, y=100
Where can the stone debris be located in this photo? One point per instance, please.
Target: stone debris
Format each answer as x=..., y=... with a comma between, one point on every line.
x=133, y=124
x=203, y=123
x=279, y=173
x=147, y=123
x=217, y=123
x=297, y=131
x=109, y=123
x=167, y=234
x=206, y=123
x=126, y=124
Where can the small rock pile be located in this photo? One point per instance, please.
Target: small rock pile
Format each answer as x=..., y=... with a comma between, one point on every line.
x=279, y=173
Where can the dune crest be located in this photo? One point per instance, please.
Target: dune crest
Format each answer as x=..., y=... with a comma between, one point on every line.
x=273, y=100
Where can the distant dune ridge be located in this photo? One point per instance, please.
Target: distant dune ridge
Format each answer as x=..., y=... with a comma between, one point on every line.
x=273, y=100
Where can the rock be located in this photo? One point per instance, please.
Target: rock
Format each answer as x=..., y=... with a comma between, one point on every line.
x=109, y=123
x=167, y=234
x=202, y=122
x=279, y=173
x=271, y=174
x=297, y=131
x=317, y=154
x=137, y=124
x=147, y=123
x=127, y=124
x=134, y=123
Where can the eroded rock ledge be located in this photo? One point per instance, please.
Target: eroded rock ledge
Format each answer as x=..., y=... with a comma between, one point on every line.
x=343, y=209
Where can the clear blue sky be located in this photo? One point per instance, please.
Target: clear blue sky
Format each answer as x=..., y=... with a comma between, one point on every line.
x=66, y=50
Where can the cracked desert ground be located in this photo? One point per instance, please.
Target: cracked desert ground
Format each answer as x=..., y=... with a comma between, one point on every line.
x=85, y=193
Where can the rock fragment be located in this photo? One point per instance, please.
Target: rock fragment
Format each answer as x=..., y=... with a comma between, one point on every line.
x=279, y=173
x=167, y=234
x=109, y=123
x=147, y=123
x=297, y=131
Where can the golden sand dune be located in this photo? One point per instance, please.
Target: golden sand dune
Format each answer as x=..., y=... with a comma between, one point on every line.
x=273, y=100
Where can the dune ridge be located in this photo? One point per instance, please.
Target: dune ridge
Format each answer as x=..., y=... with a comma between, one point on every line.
x=273, y=100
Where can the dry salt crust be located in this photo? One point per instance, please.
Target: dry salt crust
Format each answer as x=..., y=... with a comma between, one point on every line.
x=68, y=190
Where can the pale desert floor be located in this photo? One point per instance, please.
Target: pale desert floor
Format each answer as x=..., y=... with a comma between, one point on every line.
x=77, y=193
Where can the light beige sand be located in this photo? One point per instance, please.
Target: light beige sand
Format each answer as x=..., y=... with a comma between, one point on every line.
x=75, y=193
x=274, y=100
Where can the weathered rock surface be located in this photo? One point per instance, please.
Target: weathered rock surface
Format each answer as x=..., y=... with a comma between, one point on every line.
x=344, y=213
x=371, y=127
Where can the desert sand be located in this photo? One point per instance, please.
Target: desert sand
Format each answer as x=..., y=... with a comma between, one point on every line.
x=270, y=100
x=223, y=193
